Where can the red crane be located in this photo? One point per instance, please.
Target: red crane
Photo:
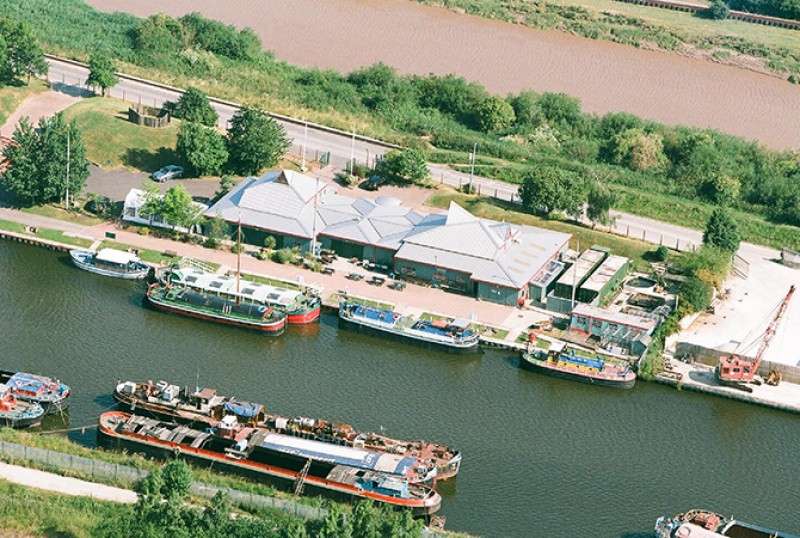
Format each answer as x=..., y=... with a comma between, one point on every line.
x=735, y=370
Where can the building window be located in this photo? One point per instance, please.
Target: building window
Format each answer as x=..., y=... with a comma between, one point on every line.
x=580, y=321
x=597, y=323
x=130, y=212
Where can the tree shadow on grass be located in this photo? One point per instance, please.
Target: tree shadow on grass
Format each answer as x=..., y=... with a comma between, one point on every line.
x=149, y=161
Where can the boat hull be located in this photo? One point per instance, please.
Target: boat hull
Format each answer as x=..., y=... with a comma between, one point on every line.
x=51, y=406
x=18, y=423
x=277, y=476
x=543, y=368
x=78, y=259
x=306, y=316
x=273, y=329
x=356, y=326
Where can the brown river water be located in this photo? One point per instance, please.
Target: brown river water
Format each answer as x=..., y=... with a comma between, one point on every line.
x=347, y=34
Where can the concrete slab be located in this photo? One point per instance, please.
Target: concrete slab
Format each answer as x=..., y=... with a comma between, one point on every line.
x=741, y=318
x=701, y=378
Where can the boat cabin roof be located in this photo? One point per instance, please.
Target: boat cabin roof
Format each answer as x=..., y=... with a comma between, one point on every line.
x=690, y=530
x=227, y=284
x=116, y=256
x=28, y=383
x=340, y=455
x=205, y=394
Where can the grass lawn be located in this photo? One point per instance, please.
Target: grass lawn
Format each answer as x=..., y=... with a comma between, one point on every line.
x=12, y=96
x=111, y=140
x=51, y=235
x=28, y=512
x=491, y=208
x=55, y=211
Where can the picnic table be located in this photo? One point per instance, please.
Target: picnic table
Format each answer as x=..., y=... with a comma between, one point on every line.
x=327, y=271
x=399, y=286
x=376, y=281
x=355, y=276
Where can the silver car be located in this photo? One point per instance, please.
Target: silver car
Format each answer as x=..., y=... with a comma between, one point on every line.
x=168, y=172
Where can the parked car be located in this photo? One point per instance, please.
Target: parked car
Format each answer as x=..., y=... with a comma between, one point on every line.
x=376, y=181
x=168, y=172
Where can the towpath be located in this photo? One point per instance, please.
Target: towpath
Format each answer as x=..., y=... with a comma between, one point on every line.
x=33, y=478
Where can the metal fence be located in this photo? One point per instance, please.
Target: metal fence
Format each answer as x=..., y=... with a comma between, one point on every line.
x=95, y=469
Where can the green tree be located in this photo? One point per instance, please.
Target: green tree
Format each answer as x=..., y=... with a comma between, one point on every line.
x=102, y=73
x=221, y=39
x=194, y=106
x=599, y=203
x=380, y=86
x=560, y=110
x=546, y=189
x=721, y=189
x=25, y=54
x=255, y=141
x=722, y=231
x=335, y=524
x=402, y=525
x=638, y=150
x=526, y=107
x=696, y=294
x=38, y=161
x=494, y=114
x=203, y=149
x=216, y=229
x=226, y=183
x=159, y=36
x=408, y=165
x=152, y=200
x=178, y=210
x=6, y=74
x=718, y=10
x=365, y=520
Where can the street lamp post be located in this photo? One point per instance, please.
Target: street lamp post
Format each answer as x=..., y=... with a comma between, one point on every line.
x=303, y=167
x=353, y=149
x=472, y=165
x=66, y=197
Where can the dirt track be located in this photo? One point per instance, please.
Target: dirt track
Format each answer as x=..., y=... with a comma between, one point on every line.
x=346, y=34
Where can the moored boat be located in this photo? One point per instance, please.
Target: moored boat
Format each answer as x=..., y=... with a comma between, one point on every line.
x=219, y=309
x=452, y=336
x=299, y=306
x=110, y=262
x=205, y=406
x=706, y=524
x=16, y=413
x=52, y=395
x=248, y=451
x=561, y=360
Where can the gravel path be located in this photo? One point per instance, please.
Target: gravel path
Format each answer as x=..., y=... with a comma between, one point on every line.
x=38, y=106
x=64, y=485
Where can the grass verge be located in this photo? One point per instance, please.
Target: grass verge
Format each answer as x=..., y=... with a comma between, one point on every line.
x=54, y=211
x=43, y=233
x=149, y=256
x=30, y=512
x=111, y=140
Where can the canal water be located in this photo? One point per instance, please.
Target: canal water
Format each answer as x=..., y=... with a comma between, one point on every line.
x=542, y=457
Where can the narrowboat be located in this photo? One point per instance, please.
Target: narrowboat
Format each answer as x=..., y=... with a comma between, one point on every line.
x=203, y=406
x=251, y=452
x=110, y=262
x=454, y=336
x=216, y=308
x=561, y=360
x=16, y=413
x=52, y=395
x=299, y=306
x=706, y=524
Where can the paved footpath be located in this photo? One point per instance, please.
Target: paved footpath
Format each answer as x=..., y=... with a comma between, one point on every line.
x=36, y=107
x=65, y=485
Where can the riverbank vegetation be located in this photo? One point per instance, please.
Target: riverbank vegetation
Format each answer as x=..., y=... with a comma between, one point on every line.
x=165, y=509
x=724, y=41
x=677, y=174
